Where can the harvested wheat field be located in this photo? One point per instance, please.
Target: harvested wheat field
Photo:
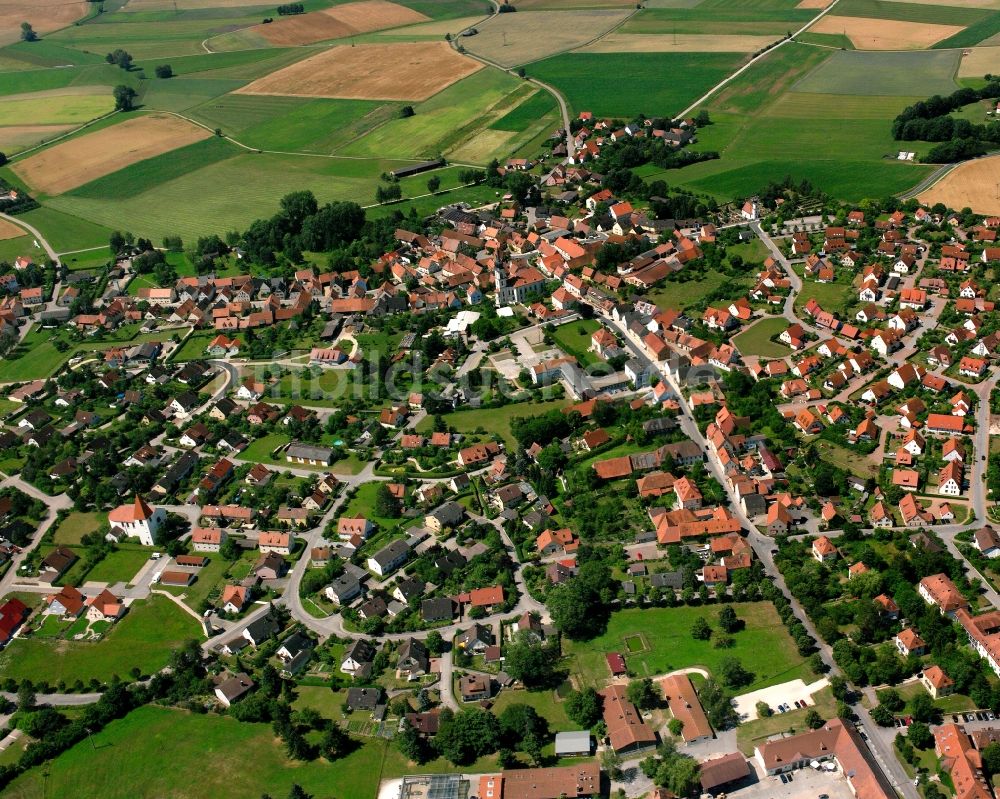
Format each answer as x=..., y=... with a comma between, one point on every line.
x=81, y=160
x=980, y=61
x=885, y=34
x=14, y=138
x=681, y=43
x=511, y=39
x=43, y=16
x=398, y=71
x=817, y=4
x=338, y=22
x=973, y=184
x=8, y=230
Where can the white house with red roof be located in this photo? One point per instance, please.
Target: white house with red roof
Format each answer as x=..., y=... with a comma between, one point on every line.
x=138, y=520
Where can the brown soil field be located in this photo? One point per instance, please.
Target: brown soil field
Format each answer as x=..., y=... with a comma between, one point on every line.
x=511, y=39
x=980, y=61
x=45, y=16
x=885, y=34
x=817, y=4
x=338, y=22
x=78, y=161
x=681, y=43
x=14, y=138
x=397, y=71
x=8, y=230
x=973, y=184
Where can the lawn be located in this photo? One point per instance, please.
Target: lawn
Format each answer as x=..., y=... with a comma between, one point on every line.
x=644, y=91
x=120, y=566
x=854, y=462
x=574, y=339
x=545, y=703
x=210, y=579
x=756, y=340
x=493, y=420
x=193, y=348
x=363, y=504
x=128, y=756
x=682, y=294
x=145, y=637
x=764, y=646
x=76, y=525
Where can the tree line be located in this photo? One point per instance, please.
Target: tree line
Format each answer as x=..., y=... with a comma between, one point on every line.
x=931, y=120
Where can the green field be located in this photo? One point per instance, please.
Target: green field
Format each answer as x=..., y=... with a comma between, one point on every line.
x=76, y=525
x=951, y=14
x=764, y=646
x=127, y=760
x=721, y=16
x=983, y=32
x=234, y=191
x=527, y=113
x=119, y=566
x=901, y=74
x=644, y=91
x=433, y=127
x=757, y=339
x=574, y=339
x=493, y=420
x=57, y=110
x=145, y=637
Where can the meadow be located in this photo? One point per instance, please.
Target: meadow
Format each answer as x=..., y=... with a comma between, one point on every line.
x=492, y=420
x=756, y=340
x=125, y=760
x=645, y=91
x=763, y=646
x=143, y=638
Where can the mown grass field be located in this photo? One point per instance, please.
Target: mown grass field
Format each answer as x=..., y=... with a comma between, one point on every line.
x=756, y=340
x=493, y=420
x=127, y=760
x=764, y=646
x=145, y=637
x=645, y=91
x=76, y=525
x=523, y=116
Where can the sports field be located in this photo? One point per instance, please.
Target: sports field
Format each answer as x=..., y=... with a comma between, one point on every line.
x=972, y=184
x=511, y=39
x=80, y=160
x=398, y=71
